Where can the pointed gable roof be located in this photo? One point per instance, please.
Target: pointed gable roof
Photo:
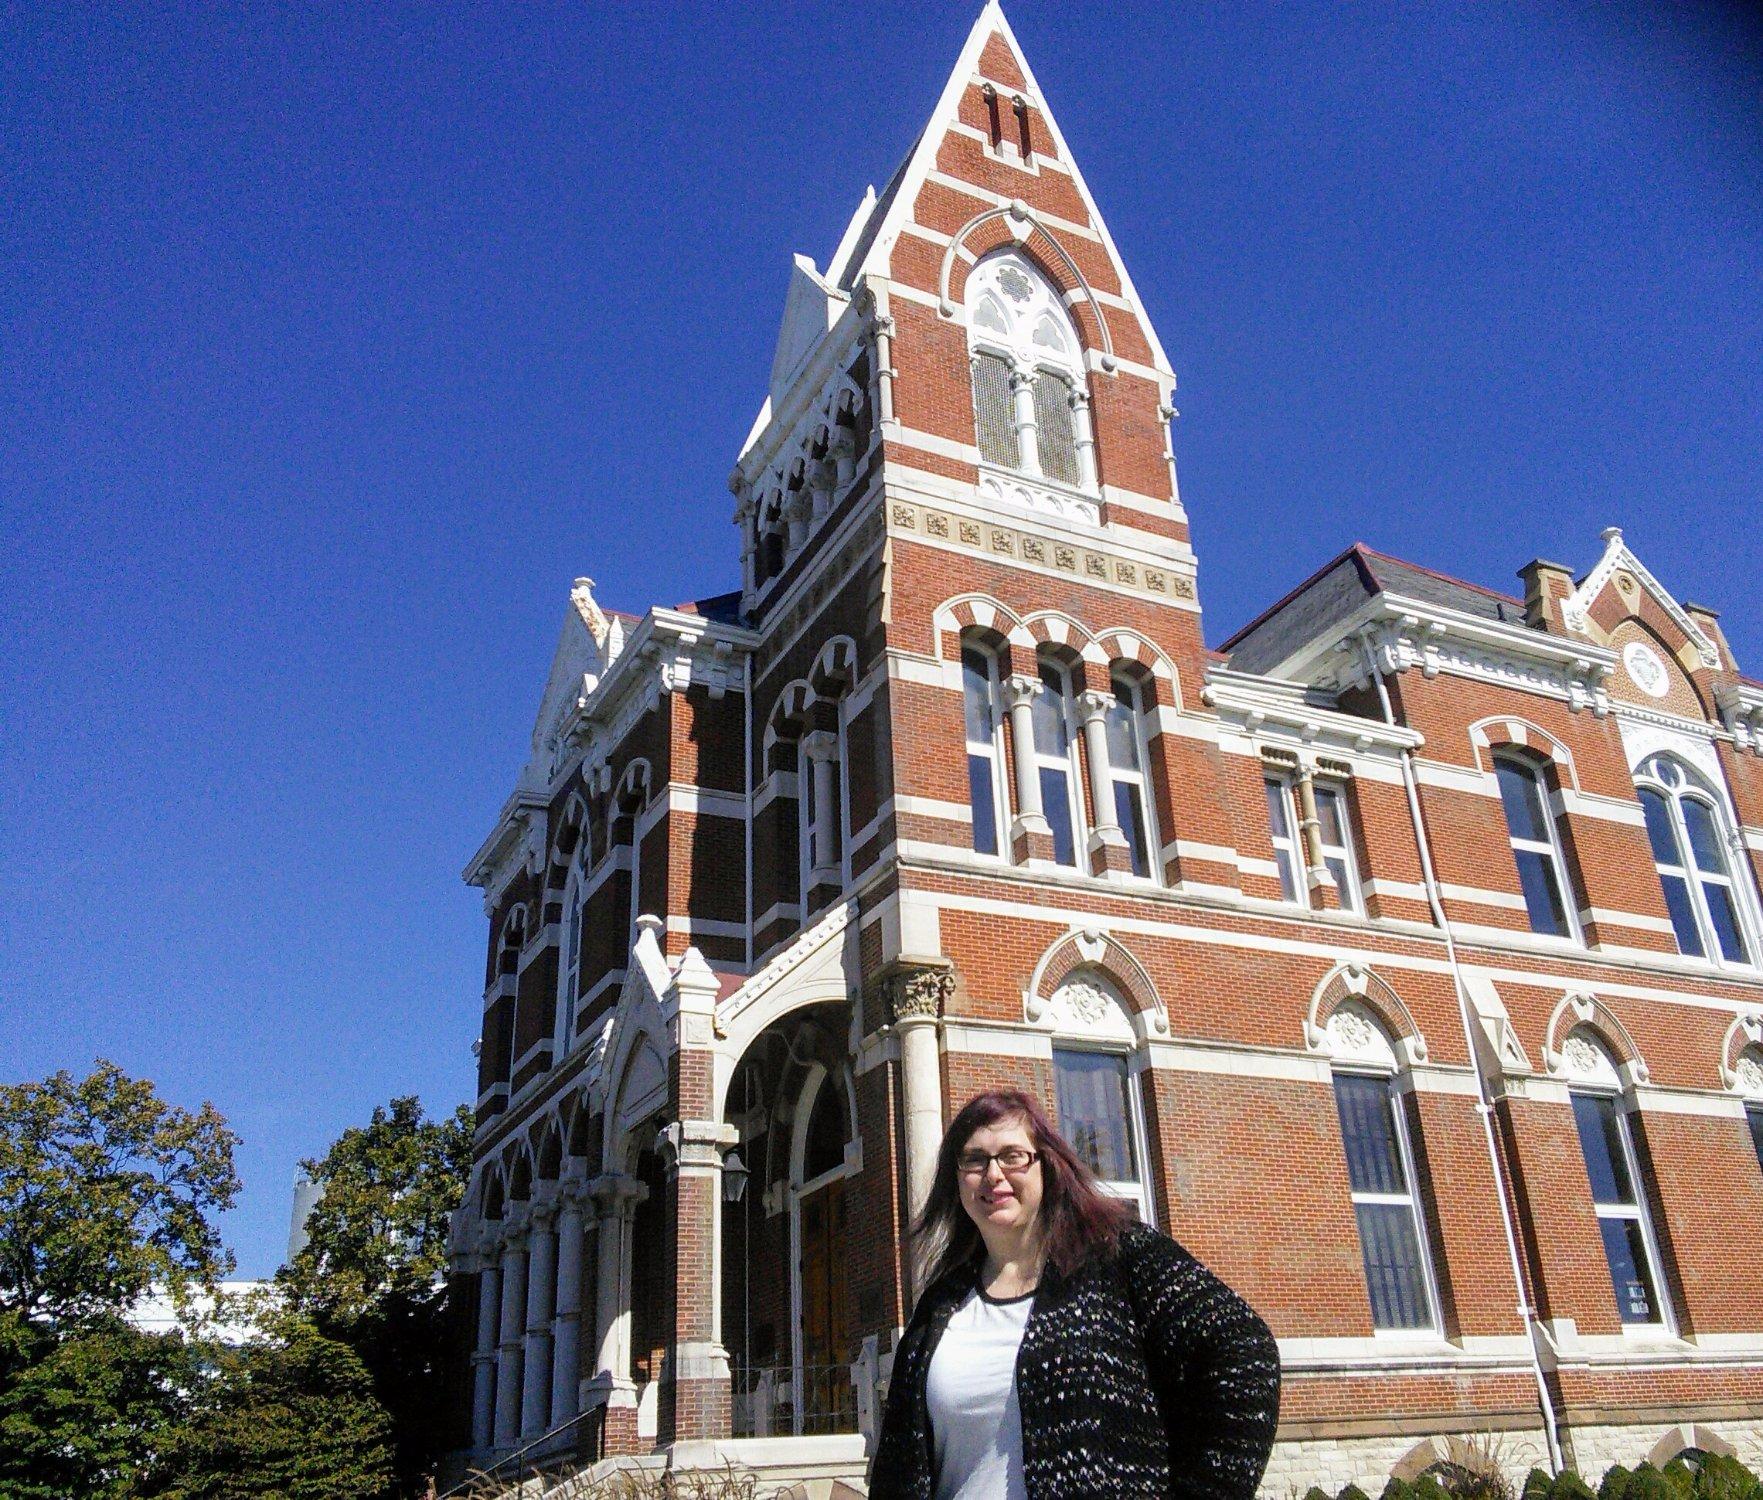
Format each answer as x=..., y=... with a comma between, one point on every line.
x=991, y=52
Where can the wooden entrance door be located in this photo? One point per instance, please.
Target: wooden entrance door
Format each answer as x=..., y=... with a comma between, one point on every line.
x=829, y=1401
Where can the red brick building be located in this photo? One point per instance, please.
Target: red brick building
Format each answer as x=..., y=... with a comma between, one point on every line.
x=1401, y=956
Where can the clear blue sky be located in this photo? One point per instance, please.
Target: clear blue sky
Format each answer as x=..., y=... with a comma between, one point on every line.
x=335, y=340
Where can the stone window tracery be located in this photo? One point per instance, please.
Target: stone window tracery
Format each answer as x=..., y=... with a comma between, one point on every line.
x=1030, y=397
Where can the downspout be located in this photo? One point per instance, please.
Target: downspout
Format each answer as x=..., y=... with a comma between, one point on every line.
x=1484, y=1105
x=747, y=770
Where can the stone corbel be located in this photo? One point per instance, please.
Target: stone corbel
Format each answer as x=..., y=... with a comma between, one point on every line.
x=918, y=990
x=696, y=1147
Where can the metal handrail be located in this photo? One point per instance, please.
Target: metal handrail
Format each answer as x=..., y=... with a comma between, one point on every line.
x=478, y=1476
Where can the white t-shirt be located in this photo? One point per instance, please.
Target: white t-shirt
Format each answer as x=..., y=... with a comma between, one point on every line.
x=976, y=1424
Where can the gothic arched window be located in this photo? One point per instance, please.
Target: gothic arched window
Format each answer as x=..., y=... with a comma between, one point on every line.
x=1690, y=851
x=569, y=970
x=1030, y=401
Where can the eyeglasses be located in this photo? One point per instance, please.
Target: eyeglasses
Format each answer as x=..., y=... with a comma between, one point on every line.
x=1014, y=1160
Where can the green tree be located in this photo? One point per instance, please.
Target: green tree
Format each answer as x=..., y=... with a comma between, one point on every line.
x=105, y=1191
x=87, y=1412
x=373, y=1272
x=289, y=1417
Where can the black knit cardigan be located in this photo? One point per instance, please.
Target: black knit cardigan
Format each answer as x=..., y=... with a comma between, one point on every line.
x=1142, y=1375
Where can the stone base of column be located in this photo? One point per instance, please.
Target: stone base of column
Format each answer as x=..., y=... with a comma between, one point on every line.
x=1031, y=838
x=618, y=1432
x=1108, y=852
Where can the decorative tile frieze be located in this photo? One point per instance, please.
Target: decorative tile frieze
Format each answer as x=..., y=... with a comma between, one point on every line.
x=996, y=540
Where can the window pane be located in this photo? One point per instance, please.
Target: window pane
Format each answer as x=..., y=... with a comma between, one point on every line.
x=1374, y=1160
x=994, y=411
x=1129, y=813
x=1542, y=893
x=1343, y=881
x=985, y=811
x=1393, y=1272
x=1055, y=438
x=1683, y=914
x=1090, y=1092
x=976, y=688
x=1521, y=796
x=1056, y=803
x=1276, y=810
x=1755, y=1115
x=1123, y=738
x=1600, y=1139
x=1630, y=1276
x=1660, y=834
x=1049, y=712
x=1725, y=918
x=1698, y=817
x=1329, y=815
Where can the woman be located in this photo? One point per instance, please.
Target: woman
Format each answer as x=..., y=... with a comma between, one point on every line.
x=1061, y=1350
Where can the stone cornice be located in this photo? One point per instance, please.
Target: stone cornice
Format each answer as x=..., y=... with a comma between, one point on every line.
x=1258, y=703
x=1741, y=710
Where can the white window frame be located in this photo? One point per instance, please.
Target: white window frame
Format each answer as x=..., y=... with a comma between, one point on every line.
x=1138, y=776
x=1068, y=763
x=1394, y=1090
x=1549, y=847
x=1622, y=1107
x=1137, y=1193
x=992, y=749
x=1288, y=850
x=1653, y=776
x=1287, y=853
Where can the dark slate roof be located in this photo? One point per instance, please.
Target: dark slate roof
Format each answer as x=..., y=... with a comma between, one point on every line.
x=1339, y=587
x=872, y=227
x=725, y=609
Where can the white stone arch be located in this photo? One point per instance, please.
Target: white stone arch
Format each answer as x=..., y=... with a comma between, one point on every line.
x=634, y=1076
x=1055, y=627
x=1021, y=221
x=1683, y=1438
x=1366, y=995
x=1120, y=644
x=834, y=672
x=962, y=612
x=789, y=713
x=1578, y=1011
x=1097, y=951
x=819, y=1077
x=1509, y=731
x=1741, y=1056
x=821, y=967
x=632, y=792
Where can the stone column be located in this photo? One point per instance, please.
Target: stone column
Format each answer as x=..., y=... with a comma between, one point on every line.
x=1084, y=434
x=484, y=1354
x=1316, y=876
x=611, y=1385
x=821, y=748
x=1019, y=697
x=917, y=992
x=1107, y=843
x=511, y=1355
x=535, y=1400
x=798, y=510
x=566, y=1323
x=1028, y=444
x=695, y=1399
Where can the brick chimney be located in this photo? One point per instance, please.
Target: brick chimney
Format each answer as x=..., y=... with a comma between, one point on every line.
x=1546, y=584
x=1708, y=622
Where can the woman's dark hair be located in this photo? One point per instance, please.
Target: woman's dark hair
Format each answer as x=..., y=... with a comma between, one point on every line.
x=1078, y=1220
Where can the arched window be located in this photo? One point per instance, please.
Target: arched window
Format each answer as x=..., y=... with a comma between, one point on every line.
x=1030, y=398
x=985, y=762
x=1126, y=770
x=1690, y=843
x=1607, y=1145
x=1380, y=1173
x=1536, y=847
x=1095, y=1087
x=1750, y=1075
x=1055, y=748
x=569, y=967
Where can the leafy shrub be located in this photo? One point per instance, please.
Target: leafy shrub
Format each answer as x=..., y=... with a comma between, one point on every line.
x=1397, y=1489
x=1614, y=1485
x=1537, y=1485
x=1317, y=1492
x=1649, y=1483
x=1723, y=1478
x=1352, y=1492
x=1569, y=1486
